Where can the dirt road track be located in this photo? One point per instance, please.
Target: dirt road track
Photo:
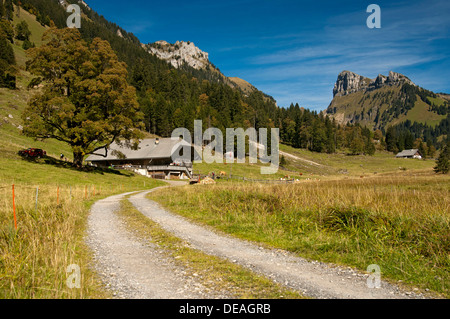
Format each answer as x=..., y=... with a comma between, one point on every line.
x=131, y=268
x=139, y=271
x=300, y=159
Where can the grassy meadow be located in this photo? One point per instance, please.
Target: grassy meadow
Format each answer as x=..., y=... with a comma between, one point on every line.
x=396, y=216
x=341, y=164
x=50, y=235
x=302, y=164
x=399, y=221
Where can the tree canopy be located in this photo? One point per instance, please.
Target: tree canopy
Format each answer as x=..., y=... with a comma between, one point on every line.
x=443, y=162
x=22, y=31
x=7, y=62
x=86, y=101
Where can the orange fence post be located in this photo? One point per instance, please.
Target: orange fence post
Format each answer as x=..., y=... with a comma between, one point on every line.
x=37, y=196
x=14, y=207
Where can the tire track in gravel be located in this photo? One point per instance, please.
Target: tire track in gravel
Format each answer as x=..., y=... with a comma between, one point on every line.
x=313, y=279
x=133, y=269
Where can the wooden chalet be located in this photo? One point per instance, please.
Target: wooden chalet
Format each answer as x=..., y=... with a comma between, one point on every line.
x=153, y=158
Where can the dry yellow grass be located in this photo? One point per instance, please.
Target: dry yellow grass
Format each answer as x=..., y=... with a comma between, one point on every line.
x=34, y=258
x=399, y=222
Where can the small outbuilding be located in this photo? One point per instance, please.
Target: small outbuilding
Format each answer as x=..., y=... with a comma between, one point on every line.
x=414, y=153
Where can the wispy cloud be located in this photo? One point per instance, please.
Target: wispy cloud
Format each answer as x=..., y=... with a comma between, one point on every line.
x=410, y=38
x=294, y=50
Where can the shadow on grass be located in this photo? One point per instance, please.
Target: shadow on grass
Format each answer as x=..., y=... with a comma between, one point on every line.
x=47, y=160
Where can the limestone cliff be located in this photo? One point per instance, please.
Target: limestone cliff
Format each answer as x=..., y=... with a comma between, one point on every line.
x=179, y=53
x=383, y=101
x=186, y=53
x=350, y=82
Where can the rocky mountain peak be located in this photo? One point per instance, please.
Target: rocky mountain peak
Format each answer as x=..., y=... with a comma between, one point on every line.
x=397, y=78
x=350, y=82
x=64, y=4
x=179, y=53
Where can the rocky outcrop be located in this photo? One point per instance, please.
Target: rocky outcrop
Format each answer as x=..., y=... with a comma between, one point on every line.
x=186, y=53
x=84, y=4
x=64, y=4
x=379, y=82
x=397, y=78
x=179, y=53
x=349, y=82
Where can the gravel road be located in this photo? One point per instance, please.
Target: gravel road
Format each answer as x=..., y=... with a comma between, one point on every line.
x=131, y=268
x=136, y=270
x=300, y=159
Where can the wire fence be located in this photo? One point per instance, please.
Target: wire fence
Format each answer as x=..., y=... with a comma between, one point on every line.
x=34, y=197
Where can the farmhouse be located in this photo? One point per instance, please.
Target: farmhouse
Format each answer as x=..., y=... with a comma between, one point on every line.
x=153, y=158
x=410, y=154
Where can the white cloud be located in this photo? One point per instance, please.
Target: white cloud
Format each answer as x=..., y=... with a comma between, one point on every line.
x=410, y=39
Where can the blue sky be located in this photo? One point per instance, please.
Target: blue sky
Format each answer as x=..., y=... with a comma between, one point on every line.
x=294, y=50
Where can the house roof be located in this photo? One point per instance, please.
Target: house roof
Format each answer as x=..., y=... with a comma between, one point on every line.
x=408, y=153
x=148, y=149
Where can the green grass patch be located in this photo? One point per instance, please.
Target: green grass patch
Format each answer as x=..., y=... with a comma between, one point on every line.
x=307, y=165
x=420, y=113
x=438, y=101
x=358, y=165
x=37, y=31
x=247, y=170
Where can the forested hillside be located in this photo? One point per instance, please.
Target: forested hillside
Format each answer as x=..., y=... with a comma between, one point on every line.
x=169, y=97
x=316, y=132
x=172, y=98
x=7, y=58
x=407, y=115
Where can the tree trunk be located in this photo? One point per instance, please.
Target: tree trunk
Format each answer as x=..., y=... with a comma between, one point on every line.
x=78, y=159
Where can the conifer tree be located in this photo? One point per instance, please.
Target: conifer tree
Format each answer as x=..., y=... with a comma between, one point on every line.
x=9, y=10
x=7, y=61
x=22, y=31
x=2, y=9
x=7, y=30
x=443, y=161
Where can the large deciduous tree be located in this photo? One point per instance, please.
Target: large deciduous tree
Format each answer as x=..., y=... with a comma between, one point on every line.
x=86, y=101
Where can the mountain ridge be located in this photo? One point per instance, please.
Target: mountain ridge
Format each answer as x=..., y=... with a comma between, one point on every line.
x=349, y=82
x=384, y=101
x=178, y=53
x=187, y=53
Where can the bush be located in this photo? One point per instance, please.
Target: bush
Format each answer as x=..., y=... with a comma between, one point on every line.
x=341, y=219
x=9, y=81
x=34, y=82
x=27, y=45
